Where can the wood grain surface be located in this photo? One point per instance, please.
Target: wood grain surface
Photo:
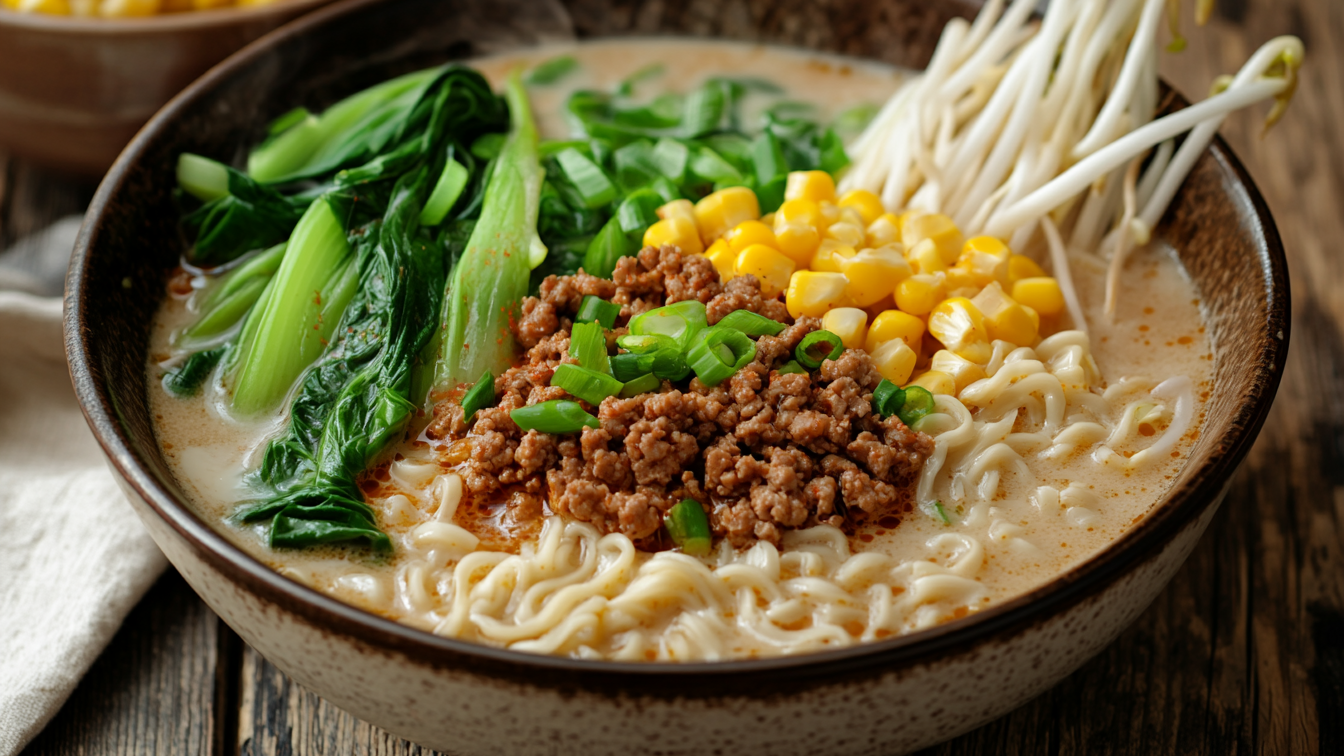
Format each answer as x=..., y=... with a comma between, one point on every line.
x=1243, y=653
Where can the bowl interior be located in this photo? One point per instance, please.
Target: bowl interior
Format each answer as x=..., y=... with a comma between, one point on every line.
x=1218, y=223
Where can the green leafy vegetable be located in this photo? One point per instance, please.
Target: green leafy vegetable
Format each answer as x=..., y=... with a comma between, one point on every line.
x=451, y=182
x=553, y=70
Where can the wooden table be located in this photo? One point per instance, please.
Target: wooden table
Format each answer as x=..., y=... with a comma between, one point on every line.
x=1243, y=653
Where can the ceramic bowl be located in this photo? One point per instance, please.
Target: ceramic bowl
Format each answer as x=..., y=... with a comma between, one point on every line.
x=73, y=91
x=888, y=697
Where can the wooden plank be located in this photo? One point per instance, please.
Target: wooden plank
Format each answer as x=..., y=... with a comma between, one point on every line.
x=159, y=688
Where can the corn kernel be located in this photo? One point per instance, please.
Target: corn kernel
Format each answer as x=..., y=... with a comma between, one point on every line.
x=751, y=232
x=848, y=323
x=960, y=283
x=872, y=273
x=205, y=4
x=51, y=7
x=895, y=361
x=885, y=230
x=846, y=233
x=936, y=382
x=864, y=201
x=771, y=266
x=986, y=259
x=724, y=259
x=916, y=227
x=958, y=324
x=830, y=213
x=797, y=240
x=677, y=231
x=827, y=255
x=814, y=293
x=1021, y=266
x=768, y=219
x=681, y=208
x=1003, y=318
x=963, y=371
x=814, y=185
x=894, y=324
x=851, y=216
x=138, y=8
x=926, y=258
x=1042, y=294
x=918, y=294
x=725, y=209
x=1035, y=319
x=803, y=211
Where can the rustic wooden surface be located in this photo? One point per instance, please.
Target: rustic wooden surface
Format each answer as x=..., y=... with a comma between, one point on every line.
x=1243, y=653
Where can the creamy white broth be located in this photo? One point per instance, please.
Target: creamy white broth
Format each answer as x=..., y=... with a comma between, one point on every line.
x=995, y=547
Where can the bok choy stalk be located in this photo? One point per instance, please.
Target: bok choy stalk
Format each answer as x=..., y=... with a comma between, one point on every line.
x=357, y=398
x=491, y=278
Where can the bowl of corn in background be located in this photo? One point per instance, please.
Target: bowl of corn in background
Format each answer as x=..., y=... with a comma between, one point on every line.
x=75, y=88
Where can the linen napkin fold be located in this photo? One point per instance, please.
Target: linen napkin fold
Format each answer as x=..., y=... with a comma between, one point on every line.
x=76, y=558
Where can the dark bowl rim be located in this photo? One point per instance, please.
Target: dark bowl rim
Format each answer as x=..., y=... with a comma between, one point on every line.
x=164, y=23
x=1170, y=515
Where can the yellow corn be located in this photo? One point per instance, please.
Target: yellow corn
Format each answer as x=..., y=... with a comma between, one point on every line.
x=797, y=240
x=768, y=219
x=936, y=382
x=803, y=211
x=919, y=293
x=814, y=293
x=135, y=8
x=677, y=231
x=1003, y=318
x=872, y=273
x=852, y=216
x=681, y=208
x=846, y=233
x=830, y=213
x=895, y=361
x=827, y=254
x=814, y=185
x=963, y=371
x=926, y=258
x=1035, y=319
x=916, y=227
x=725, y=209
x=894, y=324
x=55, y=7
x=959, y=283
x=1021, y=266
x=724, y=259
x=771, y=266
x=869, y=206
x=986, y=259
x=885, y=230
x=206, y=4
x=1041, y=294
x=848, y=323
x=751, y=232
x=958, y=324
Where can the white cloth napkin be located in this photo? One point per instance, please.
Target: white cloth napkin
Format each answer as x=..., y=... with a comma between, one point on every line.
x=74, y=558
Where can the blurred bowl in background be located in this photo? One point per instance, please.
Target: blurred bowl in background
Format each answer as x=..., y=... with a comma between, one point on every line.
x=73, y=91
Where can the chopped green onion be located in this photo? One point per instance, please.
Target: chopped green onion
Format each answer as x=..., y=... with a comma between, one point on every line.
x=625, y=367
x=817, y=347
x=710, y=166
x=679, y=321
x=918, y=403
x=634, y=164
x=555, y=416
x=641, y=385
x=791, y=366
x=480, y=396
x=719, y=352
x=888, y=398
x=588, y=385
x=596, y=310
x=671, y=157
x=449, y=187
x=751, y=324
x=551, y=71
x=639, y=211
x=589, y=179
x=627, y=87
x=688, y=526
x=645, y=344
x=588, y=344
x=609, y=245
x=942, y=513
x=704, y=109
x=667, y=362
x=201, y=177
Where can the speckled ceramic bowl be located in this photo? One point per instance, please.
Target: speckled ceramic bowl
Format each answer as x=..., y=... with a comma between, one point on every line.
x=887, y=697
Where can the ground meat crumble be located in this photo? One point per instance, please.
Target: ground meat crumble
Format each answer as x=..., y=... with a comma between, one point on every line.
x=763, y=451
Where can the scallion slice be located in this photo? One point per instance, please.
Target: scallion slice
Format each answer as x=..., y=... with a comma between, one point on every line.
x=555, y=416
x=588, y=345
x=595, y=310
x=587, y=177
x=918, y=403
x=688, y=526
x=588, y=385
x=817, y=347
x=888, y=398
x=751, y=323
x=791, y=366
x=942, y=513
x=644, y=343
x=667, y=362
x=480, y=396
x=679, y=321
x=719, y=352
x=625, y=367
x=641, y=385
